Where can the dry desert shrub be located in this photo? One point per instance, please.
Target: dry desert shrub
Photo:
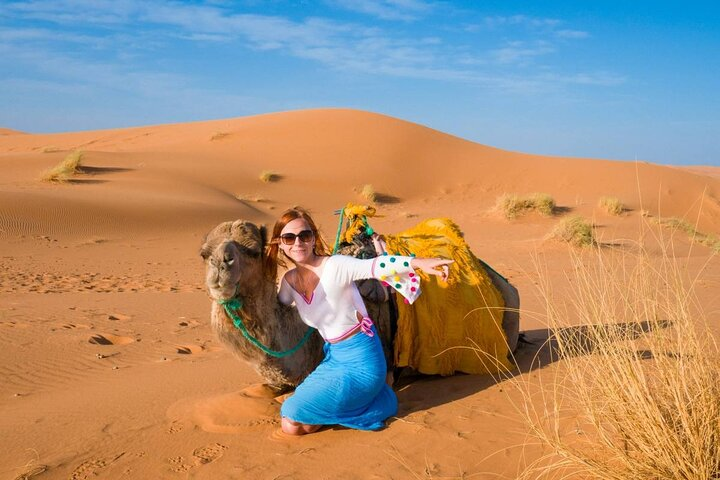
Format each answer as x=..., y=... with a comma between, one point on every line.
x=50, y=149
x=512, y=205
x=63, y=171
x=611, y=205
x=368, y=193
x=218, y=136
x=245, y=197
x=637, y=394
x=269, y=176
x=675, y=224
x=574, y=230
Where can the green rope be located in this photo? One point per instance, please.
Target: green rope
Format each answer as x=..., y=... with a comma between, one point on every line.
x=339, y=230
x=368, y=229
x=236, y=304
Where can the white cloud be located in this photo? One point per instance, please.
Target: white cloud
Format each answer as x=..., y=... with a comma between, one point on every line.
x=572, y=34
x=404, y=10
x=520, y=20
x=518, y=51
x=138, y=26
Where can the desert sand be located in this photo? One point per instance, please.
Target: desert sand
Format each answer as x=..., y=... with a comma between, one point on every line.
x=108, y=366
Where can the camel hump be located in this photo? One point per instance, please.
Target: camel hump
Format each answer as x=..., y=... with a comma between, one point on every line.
x=476, y=309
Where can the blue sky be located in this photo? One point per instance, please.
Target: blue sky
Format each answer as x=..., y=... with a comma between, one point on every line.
x=602, y=79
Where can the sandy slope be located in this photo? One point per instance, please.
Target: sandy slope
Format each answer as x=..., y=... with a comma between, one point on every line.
x=108, y=367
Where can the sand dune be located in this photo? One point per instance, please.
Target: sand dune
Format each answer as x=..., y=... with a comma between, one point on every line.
x=108, y=366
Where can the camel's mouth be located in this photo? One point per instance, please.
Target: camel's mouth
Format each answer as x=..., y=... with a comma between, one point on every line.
x=221, y=294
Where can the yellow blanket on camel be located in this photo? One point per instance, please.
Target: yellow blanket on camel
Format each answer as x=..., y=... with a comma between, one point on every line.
x=454, y=326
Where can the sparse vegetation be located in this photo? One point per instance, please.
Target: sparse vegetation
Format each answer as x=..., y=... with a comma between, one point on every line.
x=63, y=171
x=50, y=149
x=368, y=193
x=512, y=205
x=612, y=205
x=638, y=396
x=250, y=198
x=574, y=230
x=269, y=176
x=709, y=240
x=219, y=135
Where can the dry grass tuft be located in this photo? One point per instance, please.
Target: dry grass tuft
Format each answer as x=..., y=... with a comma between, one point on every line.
x=368, y=193
x=218, y=135
x=709, y=240
x=612, y=205
x=269, y=176
x=63, y=171
x=638, y=396
x=574, y=230
x=251, y=198
x=512, y=205
x=50, y=149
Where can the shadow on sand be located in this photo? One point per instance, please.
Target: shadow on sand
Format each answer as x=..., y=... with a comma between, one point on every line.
x=537, y=349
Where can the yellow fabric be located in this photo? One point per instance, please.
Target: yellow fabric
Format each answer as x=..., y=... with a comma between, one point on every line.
x=354, y=214
x=454, y=326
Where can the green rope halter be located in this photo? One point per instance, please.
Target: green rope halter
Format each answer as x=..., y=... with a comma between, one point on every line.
x=236, y=304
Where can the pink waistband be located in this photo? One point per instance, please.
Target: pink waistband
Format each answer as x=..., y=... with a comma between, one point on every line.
x=365, y=325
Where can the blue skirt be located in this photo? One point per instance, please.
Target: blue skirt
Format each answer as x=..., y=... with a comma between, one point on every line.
x=348, y=387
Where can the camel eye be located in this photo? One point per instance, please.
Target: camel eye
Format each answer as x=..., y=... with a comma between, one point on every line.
x=230, y=261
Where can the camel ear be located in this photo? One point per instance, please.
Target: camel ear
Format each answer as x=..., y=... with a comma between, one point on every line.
x=247, y=235
x=205, y=251
x=263, y=235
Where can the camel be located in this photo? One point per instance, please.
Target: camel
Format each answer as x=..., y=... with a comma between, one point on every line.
x=233, y=255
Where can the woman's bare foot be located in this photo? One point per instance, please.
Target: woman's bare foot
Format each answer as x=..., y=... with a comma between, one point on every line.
x=296, y=428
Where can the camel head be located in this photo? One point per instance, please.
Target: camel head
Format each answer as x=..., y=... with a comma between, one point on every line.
x=232, y=252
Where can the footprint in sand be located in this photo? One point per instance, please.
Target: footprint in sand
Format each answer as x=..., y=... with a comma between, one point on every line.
x=189, y=349
x=72, y=326
x=176, y=427
x=110, y=339
x=90, y=468
x=208, y=453
x=201, y=456
x=118, y=316
x=178, y=465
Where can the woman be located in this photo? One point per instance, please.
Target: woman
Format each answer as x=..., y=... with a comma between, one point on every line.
x=348, y=387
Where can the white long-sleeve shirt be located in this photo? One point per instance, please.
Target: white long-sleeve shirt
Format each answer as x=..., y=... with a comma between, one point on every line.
x=334, y=304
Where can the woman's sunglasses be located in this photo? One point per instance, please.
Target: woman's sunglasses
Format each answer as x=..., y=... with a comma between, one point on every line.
x=306, y=236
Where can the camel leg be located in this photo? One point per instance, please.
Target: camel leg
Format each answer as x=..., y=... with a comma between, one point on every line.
x=292, y=427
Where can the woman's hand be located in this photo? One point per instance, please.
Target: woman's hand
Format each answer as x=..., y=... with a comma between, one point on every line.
x=433, y=266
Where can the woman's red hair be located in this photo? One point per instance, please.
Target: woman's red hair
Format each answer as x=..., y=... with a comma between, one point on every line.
x=272, y=257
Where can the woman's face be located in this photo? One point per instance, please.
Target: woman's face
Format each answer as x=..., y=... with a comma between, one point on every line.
x=303, y=241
